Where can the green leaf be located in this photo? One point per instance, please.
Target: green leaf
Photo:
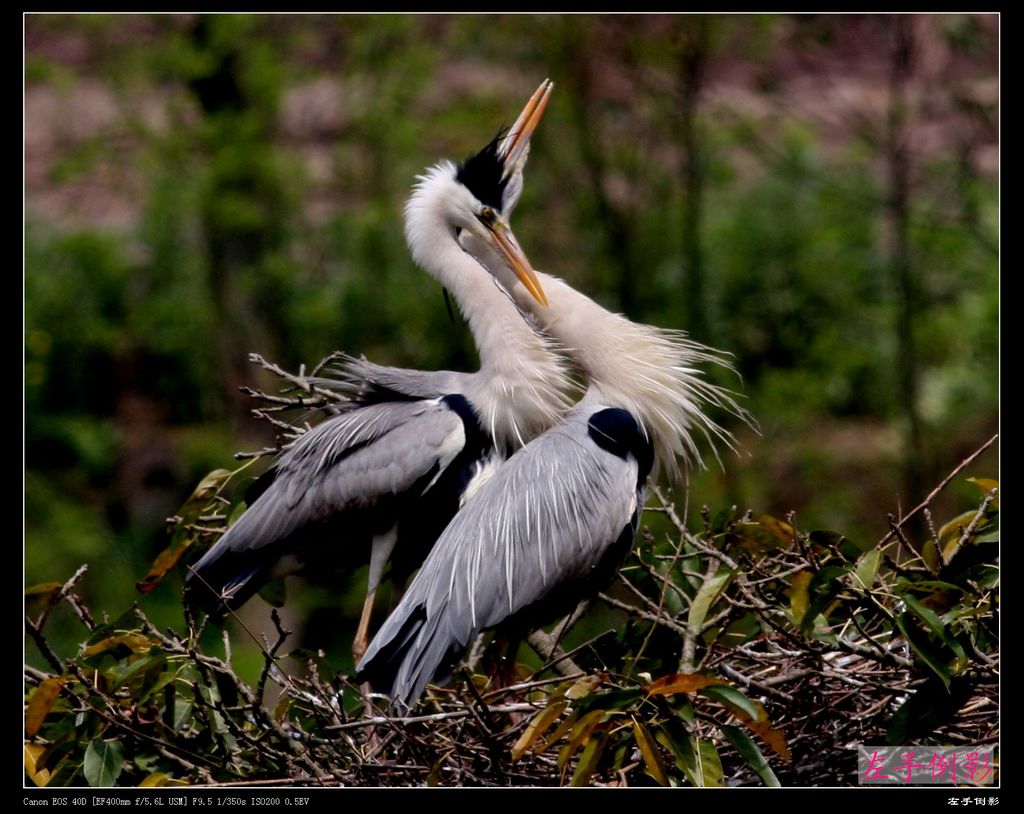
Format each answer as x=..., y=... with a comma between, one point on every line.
x=590, y=759
x=930, y=618
x=683, y=747
x=123, y=672
x=867, y=567
x=708, y=594
x=722, y=519
x=734, y=699
x=709, y=764
x=919, y=644
x=744, y=744
x=182, y=713
x=103, y=763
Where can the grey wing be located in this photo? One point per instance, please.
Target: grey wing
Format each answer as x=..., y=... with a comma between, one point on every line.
x=367, y=382
x=546, y=519
x=361, y=460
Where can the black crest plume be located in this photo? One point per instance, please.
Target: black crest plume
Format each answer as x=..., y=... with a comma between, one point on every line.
x=483, y=174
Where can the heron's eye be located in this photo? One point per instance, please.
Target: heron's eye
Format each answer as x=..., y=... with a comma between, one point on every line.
x=487, y=215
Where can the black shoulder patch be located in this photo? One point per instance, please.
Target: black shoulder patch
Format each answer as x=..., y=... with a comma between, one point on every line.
x=477, y=438
x=482, y=174
x=616, y=431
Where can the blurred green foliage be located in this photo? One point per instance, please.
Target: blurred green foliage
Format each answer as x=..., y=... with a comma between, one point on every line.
x=202, y=187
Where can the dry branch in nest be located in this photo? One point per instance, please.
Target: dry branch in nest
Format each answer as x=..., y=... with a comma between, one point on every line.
x=744, y=652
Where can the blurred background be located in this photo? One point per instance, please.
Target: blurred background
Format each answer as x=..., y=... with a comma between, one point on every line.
x=817, y=195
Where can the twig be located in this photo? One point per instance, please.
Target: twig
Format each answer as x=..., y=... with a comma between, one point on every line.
x=434, y=717
x=975, y=521
x=960, y=467
x=269, y=659
x=547, y=648
x=44, y=646
x=643, y=614
x=765, y=688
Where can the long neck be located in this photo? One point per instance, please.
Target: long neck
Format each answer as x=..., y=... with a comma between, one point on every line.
x=651, y=372
x=520, y=389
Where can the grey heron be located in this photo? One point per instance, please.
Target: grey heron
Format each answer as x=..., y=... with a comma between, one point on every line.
x=394, y=466
x=554, y=523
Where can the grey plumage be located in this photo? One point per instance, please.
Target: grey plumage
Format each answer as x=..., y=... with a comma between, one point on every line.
x=550, y=527
x=339, y=485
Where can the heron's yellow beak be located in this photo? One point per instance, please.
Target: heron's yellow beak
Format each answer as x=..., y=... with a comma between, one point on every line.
x=517, y=142
x=504, y=242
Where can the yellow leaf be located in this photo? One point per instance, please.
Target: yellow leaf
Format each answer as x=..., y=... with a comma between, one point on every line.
x=40, y=703
x=798, y=596
x=34, y=751
x=783, y=531
x=581, y=735
x=949, y=534
x=650, y=753
x=135, y=642
x=560, y=732
x=583, y=686
x=537, y=727
x=763, y=729
x=987, y=485
x=160, y=779
x=39, y=597
x=196, y=505
x=682, y=682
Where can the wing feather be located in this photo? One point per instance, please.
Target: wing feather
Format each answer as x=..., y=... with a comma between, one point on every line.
x=544, y=520
x=356, y=465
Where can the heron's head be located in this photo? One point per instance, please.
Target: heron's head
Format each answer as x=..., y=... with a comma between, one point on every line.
x=474, y=200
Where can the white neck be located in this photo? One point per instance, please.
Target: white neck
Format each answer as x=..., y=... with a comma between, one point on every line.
x=520, y=389
x=651, y=372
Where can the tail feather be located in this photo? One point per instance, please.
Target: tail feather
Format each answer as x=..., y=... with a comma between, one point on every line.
x=407, y=655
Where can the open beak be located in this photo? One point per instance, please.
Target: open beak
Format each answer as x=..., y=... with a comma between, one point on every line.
x=513, y=149
x=504, y=242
